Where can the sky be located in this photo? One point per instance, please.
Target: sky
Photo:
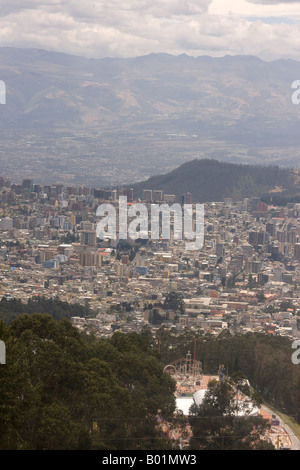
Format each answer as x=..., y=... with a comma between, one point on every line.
x=269, y=29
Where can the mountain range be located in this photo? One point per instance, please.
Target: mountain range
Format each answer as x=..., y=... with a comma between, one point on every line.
x=111, y=121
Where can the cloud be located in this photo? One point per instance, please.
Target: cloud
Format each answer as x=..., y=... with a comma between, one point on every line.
x=128, y=28
x=273, y=2
x=96, y=9
x=9, y=7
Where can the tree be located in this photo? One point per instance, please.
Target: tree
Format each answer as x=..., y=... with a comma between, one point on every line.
x=261, y=296
x=174, y=301
x=222, y=422
x=251, y=282
x=63, y=391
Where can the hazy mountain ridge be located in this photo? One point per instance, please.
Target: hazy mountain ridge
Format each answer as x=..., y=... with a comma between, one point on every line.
x=48, y=88
x=132, y=118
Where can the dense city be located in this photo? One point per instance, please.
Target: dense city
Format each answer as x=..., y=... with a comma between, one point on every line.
x=245, y=277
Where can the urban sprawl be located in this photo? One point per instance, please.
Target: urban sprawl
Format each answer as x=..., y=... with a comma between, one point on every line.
x=246, y=277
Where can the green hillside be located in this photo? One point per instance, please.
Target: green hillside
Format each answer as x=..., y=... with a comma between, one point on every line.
x=212, y=180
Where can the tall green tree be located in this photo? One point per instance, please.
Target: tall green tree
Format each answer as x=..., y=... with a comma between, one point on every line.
x=62, y=390
x=222, y=422
x=174, y=301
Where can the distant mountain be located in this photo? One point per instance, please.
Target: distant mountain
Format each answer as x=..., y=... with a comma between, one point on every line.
x=108, y=121
x=205, y=95
x=210, y=180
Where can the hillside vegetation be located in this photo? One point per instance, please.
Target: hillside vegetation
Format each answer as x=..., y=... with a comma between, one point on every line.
x=212, y=180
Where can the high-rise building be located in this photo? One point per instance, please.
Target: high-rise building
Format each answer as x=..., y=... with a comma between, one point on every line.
x=291, y=236
x=256, y=267
x=220, y=249
x=27, y=184
x=114, y=195
x=257, y=238
x=147, y=195
x=297, y=251
x=170, y=198
x=88, y=238
x=157, y=195
x=188, y=199
x=277, y=272
x=261, y=238
x=119, y=269
x=128, y=192
x=90, y=258
x=252, y=238
x=262, y=277
x=271, y=228
x=99, y=193
x=281, y=236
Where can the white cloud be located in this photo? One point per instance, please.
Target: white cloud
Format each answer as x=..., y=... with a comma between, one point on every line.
x=258, y=8
x=273, y=2
x=127, y=28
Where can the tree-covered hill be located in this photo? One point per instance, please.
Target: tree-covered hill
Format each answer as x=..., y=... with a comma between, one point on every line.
x=11, y=308
x=60, y=390
x=211, y=180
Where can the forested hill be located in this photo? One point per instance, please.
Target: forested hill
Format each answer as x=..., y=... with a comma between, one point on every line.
x=211, y=180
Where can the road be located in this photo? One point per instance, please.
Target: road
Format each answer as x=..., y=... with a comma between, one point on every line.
x=294, y=440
